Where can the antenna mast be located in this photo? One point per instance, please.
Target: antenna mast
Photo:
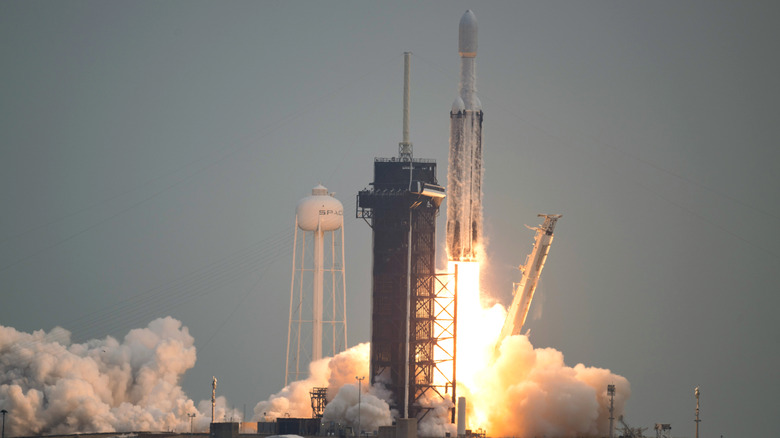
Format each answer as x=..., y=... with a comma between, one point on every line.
x=611, y=393
x=697, y=420
x=405, y=147
x=213, y=396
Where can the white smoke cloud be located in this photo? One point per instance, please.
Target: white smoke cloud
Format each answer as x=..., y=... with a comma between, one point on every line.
x=437, y=421
x=367, y=416
x=50, y=385
x=294, y=399
x=532, y=392
x=338, y=375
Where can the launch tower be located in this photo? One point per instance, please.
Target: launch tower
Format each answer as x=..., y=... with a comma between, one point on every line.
x=401, y=206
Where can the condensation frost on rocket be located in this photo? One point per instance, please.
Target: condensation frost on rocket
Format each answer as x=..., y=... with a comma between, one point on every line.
x=464, y=177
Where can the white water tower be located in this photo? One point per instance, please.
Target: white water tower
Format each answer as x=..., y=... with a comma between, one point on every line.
x=318, y=322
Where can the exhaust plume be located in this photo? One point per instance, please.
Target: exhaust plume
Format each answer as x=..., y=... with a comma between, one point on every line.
x=338, y=375
x=513, y=389
x=51, y=386
x=532, y=392
x=343, y=409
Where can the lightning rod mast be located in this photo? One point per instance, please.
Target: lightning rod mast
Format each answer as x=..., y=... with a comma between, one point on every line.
x=697, y=420
x=611, y=393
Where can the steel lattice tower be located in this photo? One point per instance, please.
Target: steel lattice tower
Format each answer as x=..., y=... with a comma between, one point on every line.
x=401, y=207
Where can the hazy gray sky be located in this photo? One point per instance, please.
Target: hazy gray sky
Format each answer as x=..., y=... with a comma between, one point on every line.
x=152, y=153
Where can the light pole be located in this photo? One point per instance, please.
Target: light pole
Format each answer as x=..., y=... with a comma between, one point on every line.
x=697, y=420
x=611, y=394
x=192, y=416
x=360, y=382
x=3, y=412
x=213, y=397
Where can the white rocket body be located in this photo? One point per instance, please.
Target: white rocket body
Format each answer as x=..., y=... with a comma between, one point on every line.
x=464, y=176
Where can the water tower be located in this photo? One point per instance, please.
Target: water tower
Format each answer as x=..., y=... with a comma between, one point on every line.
x=318, y=323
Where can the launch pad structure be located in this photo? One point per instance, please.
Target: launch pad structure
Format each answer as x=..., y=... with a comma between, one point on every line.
x=410, y=314
x=412, y=307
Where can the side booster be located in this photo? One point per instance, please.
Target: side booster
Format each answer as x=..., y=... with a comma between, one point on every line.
x=532, y=271
x=464, y=177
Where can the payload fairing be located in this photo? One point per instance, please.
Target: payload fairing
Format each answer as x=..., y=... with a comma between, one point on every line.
x=464, y=176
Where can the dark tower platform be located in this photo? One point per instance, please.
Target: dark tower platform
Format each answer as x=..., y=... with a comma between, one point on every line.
x=404, y=199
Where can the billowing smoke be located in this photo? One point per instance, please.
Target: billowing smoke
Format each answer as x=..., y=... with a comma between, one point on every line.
x=294, y=399
x=343, y=409
x=338, y=375
x=437, y=422
x=520, y=391
x=531, y=392
x=51, y=386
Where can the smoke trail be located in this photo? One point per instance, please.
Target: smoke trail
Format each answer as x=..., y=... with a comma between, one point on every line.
x=50, y=386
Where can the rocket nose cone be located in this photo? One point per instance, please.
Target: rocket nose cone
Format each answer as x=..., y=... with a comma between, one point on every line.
x=467, y=35
x=458, y=105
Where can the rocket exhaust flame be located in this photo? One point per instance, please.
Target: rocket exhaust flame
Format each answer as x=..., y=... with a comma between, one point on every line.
x=510, y=387
x=57, y=387
x=519, y=390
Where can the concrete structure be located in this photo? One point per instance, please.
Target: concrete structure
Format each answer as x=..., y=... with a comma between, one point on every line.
x=305, y=427
x=223, y=430
x=403, y=428
x=461, y=416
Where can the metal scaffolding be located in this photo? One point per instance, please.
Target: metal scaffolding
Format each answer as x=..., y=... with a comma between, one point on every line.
x=401, y=208
x=435, y=327
x=318, y=401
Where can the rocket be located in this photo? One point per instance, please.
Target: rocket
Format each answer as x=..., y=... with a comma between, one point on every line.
x=464, y=176
x=532, y=271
